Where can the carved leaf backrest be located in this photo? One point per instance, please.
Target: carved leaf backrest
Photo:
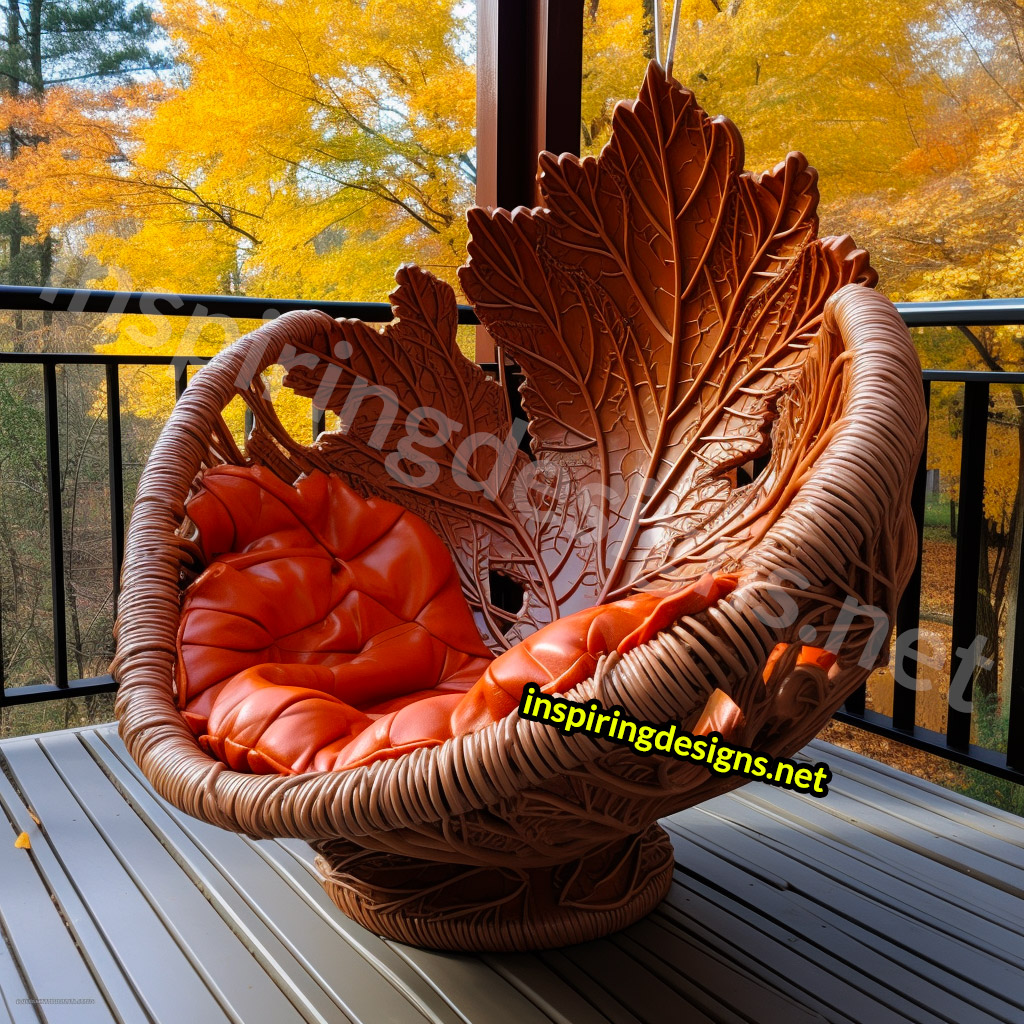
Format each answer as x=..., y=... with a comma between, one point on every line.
x=665, y=307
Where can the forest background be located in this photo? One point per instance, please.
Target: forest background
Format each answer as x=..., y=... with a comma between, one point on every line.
x=305, y=150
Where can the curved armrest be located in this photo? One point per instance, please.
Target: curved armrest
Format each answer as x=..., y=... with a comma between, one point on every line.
x=826, y=574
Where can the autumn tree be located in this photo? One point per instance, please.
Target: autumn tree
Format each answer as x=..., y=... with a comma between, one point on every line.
x=307, y=150
x=48, y=44
x=962, y=236
x=295, y=149
x=914, y=118
x=51, y=47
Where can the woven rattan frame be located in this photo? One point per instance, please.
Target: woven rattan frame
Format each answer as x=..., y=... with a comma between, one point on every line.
x=518, y=801
x=664, y=306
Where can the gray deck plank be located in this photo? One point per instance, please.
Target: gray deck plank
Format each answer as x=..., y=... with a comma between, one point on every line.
x=458, y=1001
x=955, y=806
x=228, y=968
x=886, y=901
x=927, y=969
x=881, y=817
x=879, y=913
x=60, y=888
x=293, y=860
x=14, y=1005
x=373, y=980
x=566, y=970
x=241, y=880
x=925, y=818
x=650, y=998
x=822, y=1000
x=944, y=879
x=533, y=977
x=832, y=862
x=39, y=938
x=663, y=947
x=269, y=956
x=718, y=989
x=648, y=956
x=140, y=932
x=828, y=940
x=476, y=992
x=726, y=925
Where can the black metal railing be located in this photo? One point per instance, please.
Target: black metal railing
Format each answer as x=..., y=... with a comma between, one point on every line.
x=81, y=300
x=48, y=364
x=954, y=744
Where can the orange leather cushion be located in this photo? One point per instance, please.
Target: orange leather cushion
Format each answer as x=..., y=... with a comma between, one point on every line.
x=329, y=631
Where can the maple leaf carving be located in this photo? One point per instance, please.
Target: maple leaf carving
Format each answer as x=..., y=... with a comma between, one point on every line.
x=664, y=307
x=426, y=428
x=658, y=304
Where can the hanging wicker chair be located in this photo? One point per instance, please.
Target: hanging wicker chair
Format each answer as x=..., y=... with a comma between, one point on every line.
x=719, y=405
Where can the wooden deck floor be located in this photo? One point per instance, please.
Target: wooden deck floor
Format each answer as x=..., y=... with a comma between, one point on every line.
x=890, y=900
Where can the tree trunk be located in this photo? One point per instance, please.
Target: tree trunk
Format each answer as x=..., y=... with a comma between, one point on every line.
x=35, y=46
x=648, y=9
x=15, y=232
x=35, y=32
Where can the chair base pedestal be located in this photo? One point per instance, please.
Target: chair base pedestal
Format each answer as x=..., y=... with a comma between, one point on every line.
x=475, y=909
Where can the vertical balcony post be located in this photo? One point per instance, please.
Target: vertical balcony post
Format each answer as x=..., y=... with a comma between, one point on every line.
x=529, y=83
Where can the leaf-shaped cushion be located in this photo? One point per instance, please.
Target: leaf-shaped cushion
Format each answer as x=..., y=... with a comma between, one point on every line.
x=328, y=631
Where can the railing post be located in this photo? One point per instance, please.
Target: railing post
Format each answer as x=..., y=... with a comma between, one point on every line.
x=529, y=81
x=1014, y=686
x=319, y=422
x=116, y=470
x=180, y=376
x=55, y=511
x=968, y=551
x=908, y=614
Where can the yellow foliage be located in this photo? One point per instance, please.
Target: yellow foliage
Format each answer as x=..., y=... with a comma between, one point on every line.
x=1001, y=449
x=307, y=149
x=912, y=114
x=297, y=149
x=835, y=80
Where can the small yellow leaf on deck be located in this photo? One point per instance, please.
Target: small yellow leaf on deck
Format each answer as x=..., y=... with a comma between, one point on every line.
x=23, y=842
x=33, y=816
